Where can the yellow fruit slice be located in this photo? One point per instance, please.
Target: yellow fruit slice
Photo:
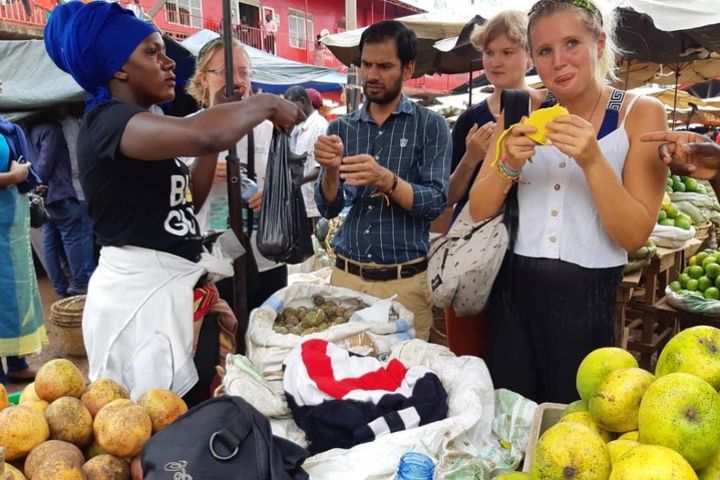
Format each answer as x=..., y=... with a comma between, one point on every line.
x=540, y=118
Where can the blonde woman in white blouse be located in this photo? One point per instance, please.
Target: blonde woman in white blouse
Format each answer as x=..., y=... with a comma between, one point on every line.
x=583, y=203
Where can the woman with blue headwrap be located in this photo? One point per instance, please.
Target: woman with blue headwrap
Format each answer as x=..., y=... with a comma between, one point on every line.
x=138, y=319
x=21, y=316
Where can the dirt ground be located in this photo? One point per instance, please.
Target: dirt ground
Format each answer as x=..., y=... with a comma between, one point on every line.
x=48, y=297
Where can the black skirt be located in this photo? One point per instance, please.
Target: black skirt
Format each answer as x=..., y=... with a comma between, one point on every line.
x=547, y=315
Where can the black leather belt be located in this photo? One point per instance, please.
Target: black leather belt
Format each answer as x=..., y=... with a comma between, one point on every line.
x=382, y=273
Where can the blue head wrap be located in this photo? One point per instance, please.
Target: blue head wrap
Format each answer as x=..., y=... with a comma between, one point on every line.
x=54, y=29
x=98, y=40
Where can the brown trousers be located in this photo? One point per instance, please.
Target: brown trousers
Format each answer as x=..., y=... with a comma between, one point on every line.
x=411, y=292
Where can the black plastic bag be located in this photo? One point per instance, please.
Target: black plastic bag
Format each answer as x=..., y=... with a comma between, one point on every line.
x=284, y=230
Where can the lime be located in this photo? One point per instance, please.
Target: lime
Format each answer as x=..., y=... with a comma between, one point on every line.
x=692, y=285
x=683, y=216
x=678, y=186
x=704, y=283
x=676, y=178
x=693, y=260
x=662, y=216
x=690, y=184
x=695, y=272
x=717, y=282
x=683, y=279
x=712, y=293
x=668, y=189
x=668, y=222
x=682, y=223
x=712, y=270
x=669, y=182
x=675, y=286
x=671, y=211
x=708, y=260
x=701, y=257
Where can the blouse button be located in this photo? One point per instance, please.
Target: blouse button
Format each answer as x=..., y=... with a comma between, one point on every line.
x=562, y=164
x=557, y=186
x=552, y=239
x=554, y=213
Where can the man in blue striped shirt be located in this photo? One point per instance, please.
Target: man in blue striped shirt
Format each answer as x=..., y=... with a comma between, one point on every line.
x=391, y=161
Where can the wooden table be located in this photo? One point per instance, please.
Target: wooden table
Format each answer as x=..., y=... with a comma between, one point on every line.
x=642, y=310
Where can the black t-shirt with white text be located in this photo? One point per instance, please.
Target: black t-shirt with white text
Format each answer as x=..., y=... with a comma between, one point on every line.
x=134, y=202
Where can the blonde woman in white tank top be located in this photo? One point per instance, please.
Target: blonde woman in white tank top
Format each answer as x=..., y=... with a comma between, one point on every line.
x=583, y=203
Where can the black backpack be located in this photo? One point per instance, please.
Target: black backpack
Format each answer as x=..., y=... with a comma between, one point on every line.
x=222, y=438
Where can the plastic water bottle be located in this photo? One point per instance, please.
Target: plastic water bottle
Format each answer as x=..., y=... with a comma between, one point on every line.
x=249, y=188
x=415, y=466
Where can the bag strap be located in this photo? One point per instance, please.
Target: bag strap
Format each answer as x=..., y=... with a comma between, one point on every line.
x=251, y=175
x=515, y=104
x=224, y=444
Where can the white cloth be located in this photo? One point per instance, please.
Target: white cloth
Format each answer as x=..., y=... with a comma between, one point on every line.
x=302, y=141
x=217, y=199
x=558, y=217
x=138, y=318
x=71, y=129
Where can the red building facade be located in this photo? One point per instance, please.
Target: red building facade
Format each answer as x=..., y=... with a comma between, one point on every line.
x=300, y=23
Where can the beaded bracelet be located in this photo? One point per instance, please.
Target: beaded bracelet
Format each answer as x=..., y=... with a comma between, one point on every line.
x=511, y=172
x=507, y=173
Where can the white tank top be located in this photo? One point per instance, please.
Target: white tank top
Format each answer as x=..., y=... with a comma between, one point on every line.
x=557, y=216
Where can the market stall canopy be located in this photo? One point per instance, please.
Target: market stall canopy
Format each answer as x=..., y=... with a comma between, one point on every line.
x=275, y=74
x=668, y=31
x=662, y=37
x=32, y=82
x=429, y=28
x=668, y=97
x=634, y=74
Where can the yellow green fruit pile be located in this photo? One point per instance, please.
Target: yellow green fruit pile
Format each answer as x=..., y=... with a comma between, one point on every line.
x=670, y=216
x=701, y=277
x=65, y=428
x=632, y=425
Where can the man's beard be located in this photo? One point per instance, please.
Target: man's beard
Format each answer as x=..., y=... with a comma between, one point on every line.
x=386, y=96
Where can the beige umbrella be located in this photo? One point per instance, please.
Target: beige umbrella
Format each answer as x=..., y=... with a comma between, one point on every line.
x=635, y=73
x=429, y=28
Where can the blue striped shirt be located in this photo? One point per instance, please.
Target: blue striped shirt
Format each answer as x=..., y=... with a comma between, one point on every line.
x=414, y=142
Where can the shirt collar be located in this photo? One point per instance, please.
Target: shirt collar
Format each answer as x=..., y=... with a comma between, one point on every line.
x=306, y=123
x=405, y=106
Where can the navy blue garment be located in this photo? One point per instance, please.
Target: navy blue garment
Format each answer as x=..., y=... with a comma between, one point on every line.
x=96, y=41
x=55, y=29
x=414, y=142
x=52, y=160
x=477, y=115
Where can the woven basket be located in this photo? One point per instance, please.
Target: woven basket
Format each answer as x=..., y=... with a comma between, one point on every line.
x=65, y=326
x=702, y=230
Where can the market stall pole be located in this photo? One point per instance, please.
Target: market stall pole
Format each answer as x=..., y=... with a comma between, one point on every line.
x=234, y=187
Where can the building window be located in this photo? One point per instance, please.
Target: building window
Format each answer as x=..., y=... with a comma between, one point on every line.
x=297, y=24
x=184, y=12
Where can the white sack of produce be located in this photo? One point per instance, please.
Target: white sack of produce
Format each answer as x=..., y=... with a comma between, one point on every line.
x=383, y=327
x=671, y=237
x=471, y=410
x=693, y=302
